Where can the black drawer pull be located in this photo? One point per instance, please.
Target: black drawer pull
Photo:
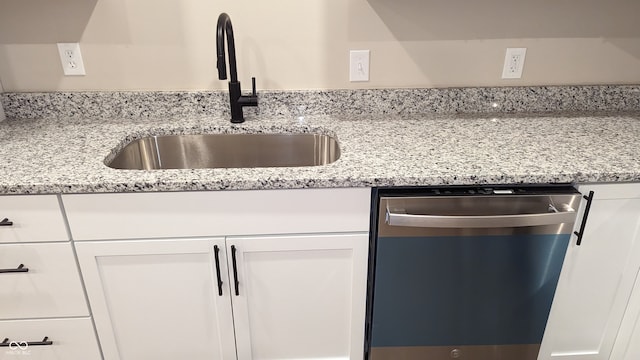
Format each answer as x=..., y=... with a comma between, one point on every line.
x=21, y=344
x=19, y=269
x=6, y=222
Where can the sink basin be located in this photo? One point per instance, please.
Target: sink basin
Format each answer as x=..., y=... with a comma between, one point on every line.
x=227, y=151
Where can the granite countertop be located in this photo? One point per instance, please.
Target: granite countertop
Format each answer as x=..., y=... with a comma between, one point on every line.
x=67, y=155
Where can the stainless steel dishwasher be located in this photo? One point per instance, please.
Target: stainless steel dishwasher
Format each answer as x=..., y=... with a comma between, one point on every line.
x=465, y=272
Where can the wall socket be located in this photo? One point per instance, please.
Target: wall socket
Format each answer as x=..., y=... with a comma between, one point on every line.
x=71, y=59
x=513, y=63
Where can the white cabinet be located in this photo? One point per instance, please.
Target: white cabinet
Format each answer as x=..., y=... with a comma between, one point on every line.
x=298, y=257
x=299, y=297
x=33, y=218
x=158, y=299
x=216, y=213
x=50, y=286
x=71, y=339
x=597, y=277
x=43, y=310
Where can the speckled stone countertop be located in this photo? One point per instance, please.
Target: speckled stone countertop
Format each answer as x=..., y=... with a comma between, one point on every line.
x=58, y=142
x=67, y=155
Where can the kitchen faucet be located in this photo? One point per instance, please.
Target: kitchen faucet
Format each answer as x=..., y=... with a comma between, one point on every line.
x=238, y=101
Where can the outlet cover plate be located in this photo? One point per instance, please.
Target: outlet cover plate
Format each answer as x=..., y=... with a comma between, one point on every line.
x=358, y=65
x=71, y=59
x=513, y=63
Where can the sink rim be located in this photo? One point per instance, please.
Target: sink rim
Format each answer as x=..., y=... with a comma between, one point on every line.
x=333, y=151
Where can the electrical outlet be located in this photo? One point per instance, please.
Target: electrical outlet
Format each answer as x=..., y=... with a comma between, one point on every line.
x=514, y=63
x=71, y=58
x=358, y=65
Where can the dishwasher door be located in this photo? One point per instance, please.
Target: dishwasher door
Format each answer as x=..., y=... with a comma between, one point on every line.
x=466, y=273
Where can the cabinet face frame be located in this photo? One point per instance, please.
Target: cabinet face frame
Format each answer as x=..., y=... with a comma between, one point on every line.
x=98, y=261
x=597, y=277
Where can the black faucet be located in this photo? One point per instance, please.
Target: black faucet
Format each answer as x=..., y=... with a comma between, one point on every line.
x=238, y=101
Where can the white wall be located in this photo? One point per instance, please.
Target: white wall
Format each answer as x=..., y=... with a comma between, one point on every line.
x=304, y=44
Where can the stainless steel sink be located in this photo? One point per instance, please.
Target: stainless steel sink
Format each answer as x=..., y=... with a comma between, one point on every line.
x=227, y=151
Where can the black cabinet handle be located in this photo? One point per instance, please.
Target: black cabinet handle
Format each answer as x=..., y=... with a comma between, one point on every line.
x=19, y=269
x=587, y=208
x=235, y=269
x=7, y=343
x=6, y=222
x=216, y=250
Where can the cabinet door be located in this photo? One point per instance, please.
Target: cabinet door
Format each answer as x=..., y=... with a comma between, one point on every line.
x=299, y=297
x=597, y=277
x=159, y=299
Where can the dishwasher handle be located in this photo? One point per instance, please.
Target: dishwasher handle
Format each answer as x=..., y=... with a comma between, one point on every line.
x=397, y=217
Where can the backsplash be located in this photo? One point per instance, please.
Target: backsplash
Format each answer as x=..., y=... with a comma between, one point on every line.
x=156, y=104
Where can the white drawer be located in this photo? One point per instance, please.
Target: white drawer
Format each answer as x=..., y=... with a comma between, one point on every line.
x=50, y=288
x=71, y=339
x=216, y=213
x=34, y=218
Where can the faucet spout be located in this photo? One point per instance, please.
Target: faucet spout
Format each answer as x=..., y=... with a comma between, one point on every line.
x=236, y=99
x=224, y=26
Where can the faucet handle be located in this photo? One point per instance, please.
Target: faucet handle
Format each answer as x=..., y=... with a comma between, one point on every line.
x=249, y=100
x=253, y=86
